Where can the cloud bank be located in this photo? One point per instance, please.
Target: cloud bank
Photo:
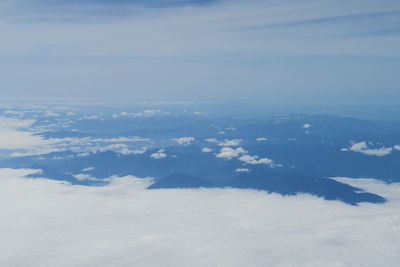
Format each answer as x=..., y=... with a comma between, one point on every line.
x=51, y=223
x=13, y=135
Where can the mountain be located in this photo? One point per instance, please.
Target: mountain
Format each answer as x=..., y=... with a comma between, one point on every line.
x=291, y=184
x=180, y=180
x=278, y=182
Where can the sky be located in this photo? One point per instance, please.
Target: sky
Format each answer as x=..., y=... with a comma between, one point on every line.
x=266, y=52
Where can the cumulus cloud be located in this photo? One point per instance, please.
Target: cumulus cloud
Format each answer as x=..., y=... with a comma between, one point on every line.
x=261, y=139
x=160, y=154
x=230, y=153
x=232, y=142
x=362, y=147
x=187, y=140
x=206, y=150
x=306, y=126
x=255, y=160
x=241, y=154
x=52, y=223
x=242, y=170
x=121, y=149
x=212, y=140
x=397, y=147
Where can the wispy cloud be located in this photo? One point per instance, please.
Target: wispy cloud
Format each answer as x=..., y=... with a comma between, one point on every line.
x=196, y=48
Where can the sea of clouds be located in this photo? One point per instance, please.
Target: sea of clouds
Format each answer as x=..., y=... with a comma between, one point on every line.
x=52, y=223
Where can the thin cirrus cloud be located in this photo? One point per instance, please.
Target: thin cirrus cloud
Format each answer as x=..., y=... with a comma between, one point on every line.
x=217, y=227
x=192, y=50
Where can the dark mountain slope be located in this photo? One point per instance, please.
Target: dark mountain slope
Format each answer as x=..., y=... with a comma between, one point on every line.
x=180, y=180
x=291, y=184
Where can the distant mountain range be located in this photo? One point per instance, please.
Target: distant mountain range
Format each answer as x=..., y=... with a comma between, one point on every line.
x=285, y=184
x=305, y=150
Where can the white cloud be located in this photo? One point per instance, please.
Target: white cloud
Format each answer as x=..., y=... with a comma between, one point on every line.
x=232, y=142
x=261, y=139
x=212, y=140
x=82, y=177
x=397, y=147
x=12, y=123
x=27, y=143
x=206, y=150
x=160, y=154
x=242, y=170
x=50, y=223
x=32, y=149
x=306, y=126
x=88, y=169
x=362, y=147
x=14, y=112
x=121, y=149
x=255, y=160
x=230, y=153
x=13, y=139
x=187, y=140
x=13, y=135
x=50, y=113
x=115, y=139
x=145, y=113
x=122, y=114
x=90, y=117
x=240, y=153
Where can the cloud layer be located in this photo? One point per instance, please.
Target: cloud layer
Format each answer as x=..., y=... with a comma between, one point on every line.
x=50, y=223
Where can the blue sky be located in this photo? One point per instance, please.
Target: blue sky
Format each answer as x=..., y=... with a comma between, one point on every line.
x=273, y=52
